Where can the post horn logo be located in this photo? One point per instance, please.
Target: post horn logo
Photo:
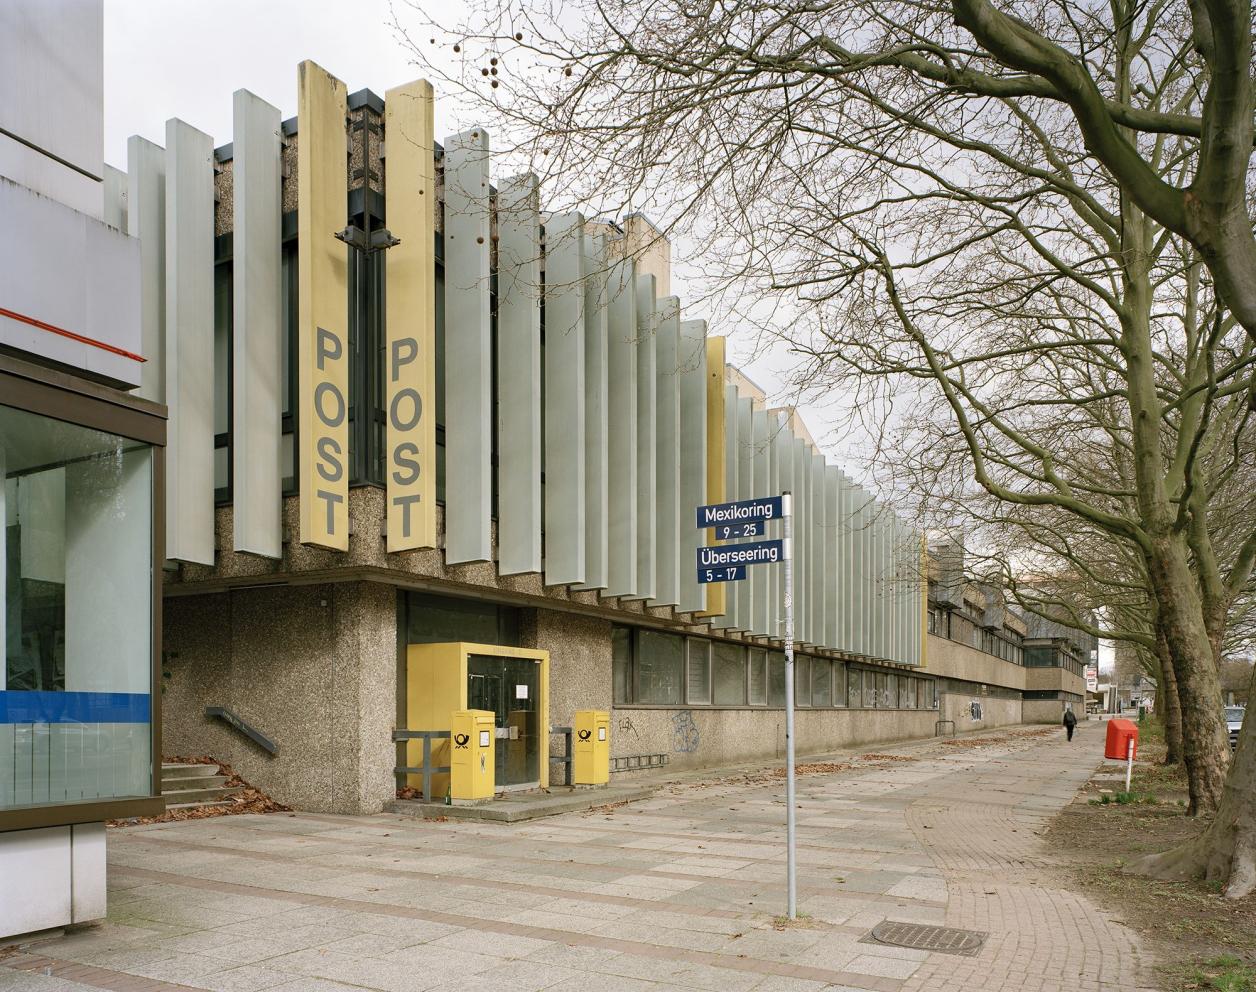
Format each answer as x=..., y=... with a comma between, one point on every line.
x=460, y=740
x=585, y=735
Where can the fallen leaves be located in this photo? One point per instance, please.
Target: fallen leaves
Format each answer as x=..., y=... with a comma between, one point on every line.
x=246, y=800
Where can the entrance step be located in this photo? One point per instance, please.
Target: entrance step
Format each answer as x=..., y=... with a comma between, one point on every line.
x=169, y=785
x=186, y=785
x=218, y=802
x=516, y=807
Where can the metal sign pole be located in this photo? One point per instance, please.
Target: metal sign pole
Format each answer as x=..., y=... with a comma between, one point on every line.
x=790, y=825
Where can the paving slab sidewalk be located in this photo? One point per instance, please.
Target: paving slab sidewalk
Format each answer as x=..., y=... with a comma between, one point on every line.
x=678, y=891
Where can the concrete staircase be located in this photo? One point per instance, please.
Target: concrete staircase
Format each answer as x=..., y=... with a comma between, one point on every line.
x=185, y=786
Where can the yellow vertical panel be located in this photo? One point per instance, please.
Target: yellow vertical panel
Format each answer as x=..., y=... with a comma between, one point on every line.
x=715, y=467
x=410, y=193
x=323, y=301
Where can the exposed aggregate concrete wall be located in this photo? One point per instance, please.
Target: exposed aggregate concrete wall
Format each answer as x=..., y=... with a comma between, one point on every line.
x=312, y=667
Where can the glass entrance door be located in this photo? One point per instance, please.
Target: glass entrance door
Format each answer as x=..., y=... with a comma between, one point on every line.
x=510, y=689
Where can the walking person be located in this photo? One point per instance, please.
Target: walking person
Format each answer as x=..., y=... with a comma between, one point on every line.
x=1070, y=722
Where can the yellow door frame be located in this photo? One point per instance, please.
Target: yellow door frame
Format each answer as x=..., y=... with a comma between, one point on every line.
x=436, y=687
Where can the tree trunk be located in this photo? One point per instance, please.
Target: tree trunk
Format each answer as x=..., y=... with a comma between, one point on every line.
x=1226, y=851
x=1168, y=703
x=1205, y=742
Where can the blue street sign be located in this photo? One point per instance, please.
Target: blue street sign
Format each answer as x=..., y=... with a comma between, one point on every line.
x=754, y=553
x=731, y=573
x=751, y=528
x=743, y=511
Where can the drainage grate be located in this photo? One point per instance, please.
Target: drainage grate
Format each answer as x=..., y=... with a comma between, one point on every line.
x=944, y=940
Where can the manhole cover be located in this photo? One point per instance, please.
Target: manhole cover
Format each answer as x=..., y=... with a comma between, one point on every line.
x=945, y=940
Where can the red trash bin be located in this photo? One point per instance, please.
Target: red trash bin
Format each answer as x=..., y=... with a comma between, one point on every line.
x=1120, y=734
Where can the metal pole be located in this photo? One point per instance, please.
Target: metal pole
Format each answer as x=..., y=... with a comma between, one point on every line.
x=790, y=826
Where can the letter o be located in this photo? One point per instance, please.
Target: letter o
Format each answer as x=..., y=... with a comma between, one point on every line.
x=394, y=409
x=320, y=391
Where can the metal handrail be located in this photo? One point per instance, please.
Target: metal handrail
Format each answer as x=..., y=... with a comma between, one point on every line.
x=427, y=769
x=234, y=721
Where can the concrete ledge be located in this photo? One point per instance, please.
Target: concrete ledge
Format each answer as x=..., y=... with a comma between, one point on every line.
x=517, y=807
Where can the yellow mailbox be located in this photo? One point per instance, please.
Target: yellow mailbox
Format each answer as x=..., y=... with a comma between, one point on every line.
x=591, y=758
x=472, y=744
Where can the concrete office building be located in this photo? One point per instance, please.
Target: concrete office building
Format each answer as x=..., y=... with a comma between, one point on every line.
x=423, y=438
x=81, y=467
x=453, y=442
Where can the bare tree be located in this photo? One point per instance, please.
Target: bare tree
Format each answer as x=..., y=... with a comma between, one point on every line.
x=950, y=204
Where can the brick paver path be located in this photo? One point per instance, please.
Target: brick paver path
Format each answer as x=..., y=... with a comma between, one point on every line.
x=676, y=892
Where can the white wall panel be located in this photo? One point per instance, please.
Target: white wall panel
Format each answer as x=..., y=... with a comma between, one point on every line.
x=667, y=481
x=88, y=872
x=691, y=381
x=732, y=470
x=742, y=413
x=257, y=329
x=802, y=563
x=565, y=451
x=189, y=344
x=867, y=573
x=52, y=79
x=885, y=582
x=850, y=567
x=73, y=273
x=647, y=436
x=37, y=864
x=146, y=220
x=114, y=191
x=468, y=354
x=763, y=483
x=819, y=545
x=783, y=464
x=832, y=555
x=596, y=299
x=518, y=376
x=622, y=423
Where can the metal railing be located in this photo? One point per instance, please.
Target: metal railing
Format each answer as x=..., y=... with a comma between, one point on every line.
x=427, y=769
x=937, y=727
x=638, y=762
x=565, y=759
x=235, y=723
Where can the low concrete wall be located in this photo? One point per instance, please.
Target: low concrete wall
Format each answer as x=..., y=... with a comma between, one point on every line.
x=702, y=738
x=312, y=667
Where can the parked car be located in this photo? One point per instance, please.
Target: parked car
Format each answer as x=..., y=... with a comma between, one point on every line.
x=1234, y=721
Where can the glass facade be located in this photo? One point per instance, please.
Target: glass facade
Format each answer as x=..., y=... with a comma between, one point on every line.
x=430, y=619
x=652, y=668
x=962, y=626
x=77, y=624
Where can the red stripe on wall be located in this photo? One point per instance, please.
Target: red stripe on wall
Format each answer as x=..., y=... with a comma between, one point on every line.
x=54, y=329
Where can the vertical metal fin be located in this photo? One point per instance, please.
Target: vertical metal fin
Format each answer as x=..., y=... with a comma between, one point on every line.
x=565, y=452
x=257, y=328
x=518, y=376
x=468, y=353
x=189, y=344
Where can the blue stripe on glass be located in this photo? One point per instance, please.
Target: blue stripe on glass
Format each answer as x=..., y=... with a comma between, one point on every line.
x=19, y=706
